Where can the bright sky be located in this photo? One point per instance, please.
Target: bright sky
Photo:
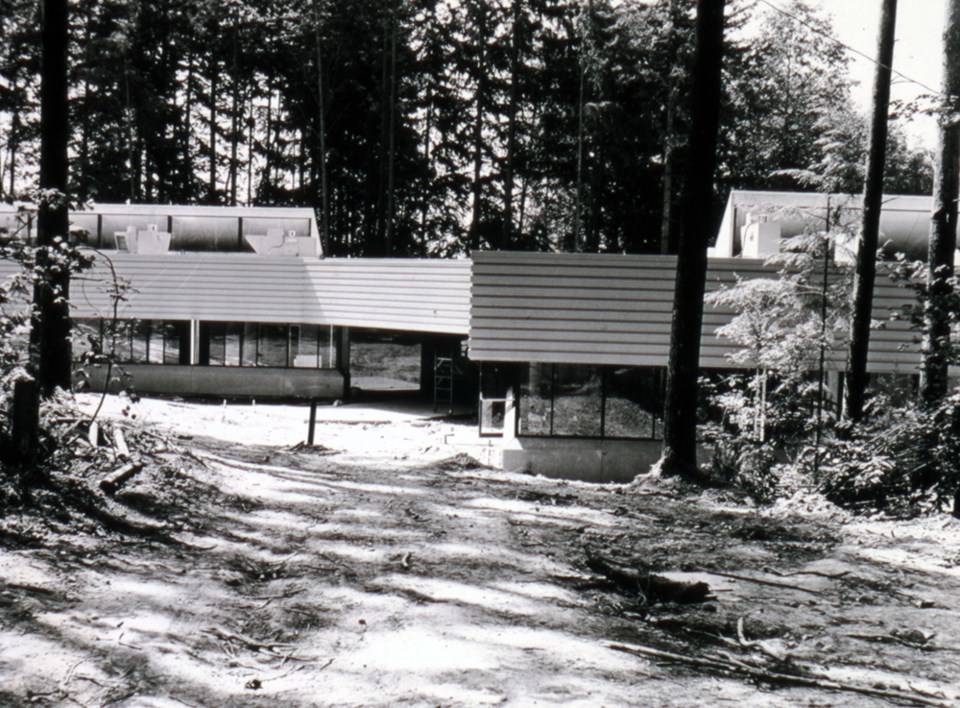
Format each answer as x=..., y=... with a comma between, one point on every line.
x=917, y=53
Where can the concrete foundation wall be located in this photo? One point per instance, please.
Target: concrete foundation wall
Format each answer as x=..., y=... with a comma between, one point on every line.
x=222, y=381
x=586, y=460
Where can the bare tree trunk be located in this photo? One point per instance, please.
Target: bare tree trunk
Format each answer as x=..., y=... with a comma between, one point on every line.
x=84, y=156
x=49, y=353
x=53, y=335
x=427, y=156
x=267, y=141
x=251, y=124
x=322, y=139
x=235, y=115
x=480, y=108
x=680, y=411
x=581, y=103
x=866, y=272
x=188, y=121
x=234, y=146
x=302, y=166
x=667, y=230
x=212, y=127
x=507, y=230
x=943, y=219
x=379, y=216
x=147, y=175
x=132, y=157
x=389, y=245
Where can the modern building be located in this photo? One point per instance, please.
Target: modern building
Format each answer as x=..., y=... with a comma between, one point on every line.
x=569, y=350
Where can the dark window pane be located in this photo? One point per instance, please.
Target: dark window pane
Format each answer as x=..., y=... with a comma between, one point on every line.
x=173, y=339
x=205, y=233
x=140, y=339
x=217, y=344
x=251, y=333
x=233, y=331
x=634, y=402
x=534, y=414
x=303, y=349
x=155, y=343
x=328, y=347
x=272, y=345
x=381, y=359
x=311, y=348
x=577, y=400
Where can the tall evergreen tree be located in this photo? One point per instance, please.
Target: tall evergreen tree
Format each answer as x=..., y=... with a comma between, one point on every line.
x=943, y=219
x=866, y=269
x=680, y=412
x=50, y=331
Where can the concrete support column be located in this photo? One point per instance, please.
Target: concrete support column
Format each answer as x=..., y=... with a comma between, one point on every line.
x=194, y=342
x=342, y=337
x=428, y=349
x=510, y=416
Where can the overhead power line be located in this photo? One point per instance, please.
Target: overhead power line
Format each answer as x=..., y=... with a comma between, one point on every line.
x=854, y=50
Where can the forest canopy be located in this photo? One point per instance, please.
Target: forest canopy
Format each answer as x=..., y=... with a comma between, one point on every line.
x=429, y=127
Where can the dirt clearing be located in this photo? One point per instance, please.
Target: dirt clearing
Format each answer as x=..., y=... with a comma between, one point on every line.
x=382, y=569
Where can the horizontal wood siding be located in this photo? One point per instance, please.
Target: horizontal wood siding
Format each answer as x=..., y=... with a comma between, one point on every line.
x=524, y=307
x=177, y=286
x=607, y=309
x=399, y=294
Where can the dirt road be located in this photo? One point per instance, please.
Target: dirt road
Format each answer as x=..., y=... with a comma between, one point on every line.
x=303, y=577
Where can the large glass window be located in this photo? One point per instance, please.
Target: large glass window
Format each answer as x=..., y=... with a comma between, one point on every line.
x=311, y=346
x=382, y=359
x=249, y=348
x=215, y=336
x=568, y=400
x=266, y=344
x=577, y=401
x=205, y=233
x=272, y=347
x=634, y=402
x=131, y=341
x=232, y=339
x=176, y=338
x=536, y=401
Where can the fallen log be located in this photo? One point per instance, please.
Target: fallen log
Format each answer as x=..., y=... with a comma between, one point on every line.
x=761, y=581
x=120, y=444
x=652, y=588
x=111, y=482
x=777, y=678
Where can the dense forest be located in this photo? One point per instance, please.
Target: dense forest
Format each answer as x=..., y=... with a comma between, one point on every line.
x=429, y=127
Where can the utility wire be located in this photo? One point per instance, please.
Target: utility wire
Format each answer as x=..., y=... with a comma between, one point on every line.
x=846, y=46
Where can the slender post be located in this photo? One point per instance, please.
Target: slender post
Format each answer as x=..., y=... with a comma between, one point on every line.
x=313, y=422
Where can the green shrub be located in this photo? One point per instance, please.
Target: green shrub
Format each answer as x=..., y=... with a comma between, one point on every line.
x=744, y=463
